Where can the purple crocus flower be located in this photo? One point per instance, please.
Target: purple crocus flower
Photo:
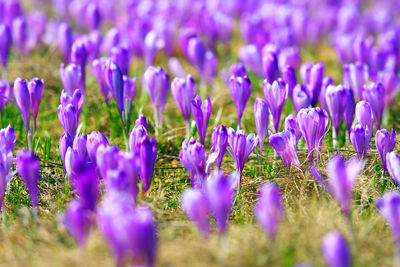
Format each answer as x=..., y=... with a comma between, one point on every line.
x=313, y=123
x=176, y=68
x=236, y=70
x=183, y=91
x=360, y=138
x=195, y=205
x=300, y=97
x=94, y=140
x=106, y=159
x=201, y=111
x=93, y=16
x=219, y=143
x=251, y=58
x=35, y=88
x=20, y=35
x=291, y=124
x=115, y=82
x=136, y=135
x=77, y=221
x=326, y=82
x=389, y=207
x=22, y=98
x=269, y=208
x=120, y=55
x=5, y=94
x=5, y=44
x=335, y=250
x=374, y=93
x=148, y=155
x=69, y=118
x=240, y=147
x=71, y=77
x=98, y=69
x=358, y=75
x=156, y=81
x=240, y=88
x=385, y=143
x=275, y=94
x=63, y=145
x=6, y=157
x=365, y=116
x=219, y=191
x=390, y=81
x=261, y=117
x=290, y=78
x=7, y=138
x=285, y=145
x=80, y=146
x=315, y=82
x=350, y=110
x=393, y=166
x=129, y=93
x=336, y=100
x=270, y=66
x=28, y=167
x=79, y=56
x=342, y=179
x=65, y=39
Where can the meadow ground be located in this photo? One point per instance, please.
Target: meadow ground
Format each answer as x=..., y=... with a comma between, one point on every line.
x=310, y=212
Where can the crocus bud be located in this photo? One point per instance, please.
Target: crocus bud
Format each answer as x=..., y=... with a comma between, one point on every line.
x=365, y=116
x=240, y=147
x=336, y=100
x=71, y=77
x=251, y=58
x=289, y=77
x=156, y=82
x=64, y=143
x=22, y=97
x=196, y=51
x=336, y=251
x=300, y=97
x=6, y=158
x=195, y=205
x=219, y=143
x=135, y=137
x=374, y=93
x=183, y=91
x=129, y=92
x=393, y=166
x=5, y=94
x=201, y=111
x=385, y=143
x=220, y=195
x=305, y=71
x=65, y=39
x=261, y=117
x=389, y=207
x=114, y=80
x=322, y=95
x=77, y=220
x=193, y=158
x=350, y=110
x=313, y=123
x=285, y=145
x=98, y=69
x=79, y=57
x=80, y=146
x=270, y=66
x=269, y=208
x=240, y=88
x=291, y=124
x=28, y=166
x=94, y=140
x=153, y=42
x=360, y=138
x=35, y=87
x=148, y=155
x=120, y=55
x=106, y=159
x=5, y=44
x=19, y=34
x=68, y=116
x=7, y=138
x=275, y=94
x=93, y=16
x=315, y=82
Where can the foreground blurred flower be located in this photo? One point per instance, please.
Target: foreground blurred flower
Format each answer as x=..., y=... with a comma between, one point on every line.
x=342, y=179
x=195, y=205
x=201, y=111
x=183, y=91
x=313, y=123
x=269, y=208
x=275, y=94
x=335, y=250
x=385, y=143
x=261, y=117
x=240, y=88
x=71, y=78
x=336, y=100
x=156, y=81
x=28, y=166
x=285, y=144
x=389, y=207
x=374, y=93
x=130, y=232
x=360, y=138
x=219, y=143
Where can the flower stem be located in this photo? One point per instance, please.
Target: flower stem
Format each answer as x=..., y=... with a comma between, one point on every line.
x=188, y=129
x=334, y=138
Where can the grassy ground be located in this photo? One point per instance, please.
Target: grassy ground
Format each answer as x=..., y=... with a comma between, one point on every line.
x=310, y=211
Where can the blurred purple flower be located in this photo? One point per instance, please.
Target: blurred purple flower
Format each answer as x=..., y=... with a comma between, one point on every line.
x=5, y=44
x=335, y=250
x=251, y=58
x=290, y=79
x=385, y=143
x=120, y=56
x=300, y=97
x=65, y=40
x=71, y=77
x=195, y=205
x=94, y=140
x=183, y=91
x=5, y=94
x=270, y=66
x=374, y=93
x=98, y=69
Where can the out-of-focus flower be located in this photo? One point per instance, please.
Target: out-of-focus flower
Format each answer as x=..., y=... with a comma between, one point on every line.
x=374, y=93
x=335, y=250
x=300, y=97
x=71, y=77
x=385, y=143
x=183, y=91
x=195, y=205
